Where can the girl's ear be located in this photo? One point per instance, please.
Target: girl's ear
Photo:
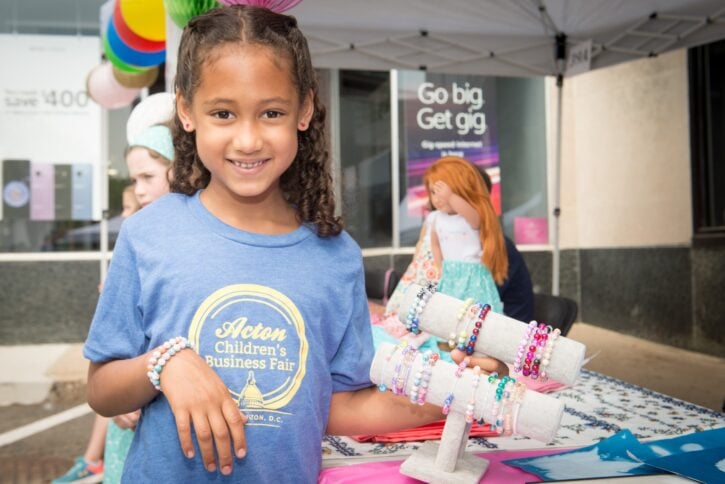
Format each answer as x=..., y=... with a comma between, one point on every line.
x=306, y=112
x=184, y=113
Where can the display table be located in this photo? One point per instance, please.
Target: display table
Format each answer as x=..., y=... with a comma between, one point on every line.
x=597, y=406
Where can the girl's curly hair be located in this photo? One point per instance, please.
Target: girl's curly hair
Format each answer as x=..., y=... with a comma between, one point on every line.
x=307, y=183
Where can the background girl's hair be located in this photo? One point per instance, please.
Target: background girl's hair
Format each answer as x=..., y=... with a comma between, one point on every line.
x=307, y=184
x=465, y=181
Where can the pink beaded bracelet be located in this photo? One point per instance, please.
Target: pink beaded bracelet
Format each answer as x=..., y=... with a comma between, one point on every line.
x=162, y=355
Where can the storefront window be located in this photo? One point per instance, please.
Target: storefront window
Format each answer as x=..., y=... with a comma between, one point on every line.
x=365, y=156
x=496, y=123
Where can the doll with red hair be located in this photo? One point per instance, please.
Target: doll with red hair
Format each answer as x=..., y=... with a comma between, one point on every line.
x=466, y=237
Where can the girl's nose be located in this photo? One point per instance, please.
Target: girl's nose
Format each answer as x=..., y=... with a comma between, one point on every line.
x=247, y=138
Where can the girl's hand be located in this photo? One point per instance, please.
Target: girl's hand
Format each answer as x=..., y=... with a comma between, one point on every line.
x=199, y=398
x=127, y=420
x=442, y=191
x=489, y=365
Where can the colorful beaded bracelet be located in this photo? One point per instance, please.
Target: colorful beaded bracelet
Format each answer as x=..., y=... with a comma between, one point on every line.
x=412, y=320
x=382, y=386
x=419, y=389
x=402, y=370
x=548, y=349
x=449, y=398
x=477, y=328
x=162, y=355
x=471, y=407
x=521, y=354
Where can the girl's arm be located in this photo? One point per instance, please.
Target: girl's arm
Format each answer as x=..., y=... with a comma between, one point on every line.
x=458, y=204
x=196, y=395
x=372, y=412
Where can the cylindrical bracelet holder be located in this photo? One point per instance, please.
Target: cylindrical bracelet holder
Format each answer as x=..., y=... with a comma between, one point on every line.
x=537, y=416
x=500, y=337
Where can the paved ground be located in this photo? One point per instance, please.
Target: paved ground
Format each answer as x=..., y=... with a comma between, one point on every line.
x=690, y=376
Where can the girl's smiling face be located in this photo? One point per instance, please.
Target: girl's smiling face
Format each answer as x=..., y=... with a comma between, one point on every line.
x=246, y=113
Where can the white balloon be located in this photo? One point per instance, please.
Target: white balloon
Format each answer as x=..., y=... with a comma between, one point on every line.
x=103, y=88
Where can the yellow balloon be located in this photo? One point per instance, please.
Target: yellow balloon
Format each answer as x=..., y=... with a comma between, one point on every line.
x=146, y=18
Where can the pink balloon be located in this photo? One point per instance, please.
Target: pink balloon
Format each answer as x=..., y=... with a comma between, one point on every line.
x=103, y=88
x=278, y=6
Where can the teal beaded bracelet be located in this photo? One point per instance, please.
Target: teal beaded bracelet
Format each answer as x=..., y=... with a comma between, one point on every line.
x=162, y=355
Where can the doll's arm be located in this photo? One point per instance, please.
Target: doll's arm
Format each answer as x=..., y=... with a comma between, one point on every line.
x=466, y=210
x=435, y=248
x=196, y=395
x=458, y=204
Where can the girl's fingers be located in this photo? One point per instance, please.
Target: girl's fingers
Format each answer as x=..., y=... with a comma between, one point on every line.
x=222, y=442
x=183, y=427
x=205, y=439
x=235, y=420
x=489, y=365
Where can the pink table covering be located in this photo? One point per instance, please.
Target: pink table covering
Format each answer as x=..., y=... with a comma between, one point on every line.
x=389, y=472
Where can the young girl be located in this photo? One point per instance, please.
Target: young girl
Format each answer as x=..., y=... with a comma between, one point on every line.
x=466, y=238
x=249, y=263
x=148, y=159
x=129, y=201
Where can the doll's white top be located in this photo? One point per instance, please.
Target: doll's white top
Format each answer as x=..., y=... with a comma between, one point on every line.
x=458, y=240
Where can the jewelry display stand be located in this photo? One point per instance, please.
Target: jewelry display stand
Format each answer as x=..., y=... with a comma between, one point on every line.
x=534, y=415
x=499, y=337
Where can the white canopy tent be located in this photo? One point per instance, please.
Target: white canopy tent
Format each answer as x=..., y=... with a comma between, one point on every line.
x=504, y=38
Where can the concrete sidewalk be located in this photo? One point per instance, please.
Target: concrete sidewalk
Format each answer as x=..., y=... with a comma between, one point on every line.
x=29, y=374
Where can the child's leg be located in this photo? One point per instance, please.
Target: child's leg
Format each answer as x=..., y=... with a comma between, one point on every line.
x=97, y=441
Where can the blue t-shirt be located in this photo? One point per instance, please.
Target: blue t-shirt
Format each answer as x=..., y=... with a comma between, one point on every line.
x=282, y=319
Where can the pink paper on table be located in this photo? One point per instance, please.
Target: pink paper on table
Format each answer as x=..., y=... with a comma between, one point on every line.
x=389, y=472
x=531, y=230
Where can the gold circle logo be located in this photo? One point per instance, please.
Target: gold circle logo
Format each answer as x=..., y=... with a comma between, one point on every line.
x=262, y=325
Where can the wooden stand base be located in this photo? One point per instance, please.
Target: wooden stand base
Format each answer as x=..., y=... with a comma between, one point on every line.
x=421, y=465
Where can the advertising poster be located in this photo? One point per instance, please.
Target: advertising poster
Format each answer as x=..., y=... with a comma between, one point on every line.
x=50, y=147
x=444, y=114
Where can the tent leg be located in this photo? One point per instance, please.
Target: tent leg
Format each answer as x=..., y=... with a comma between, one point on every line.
x=555, y=266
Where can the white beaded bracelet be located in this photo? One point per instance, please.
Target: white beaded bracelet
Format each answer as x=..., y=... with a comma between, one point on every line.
x=162, y=355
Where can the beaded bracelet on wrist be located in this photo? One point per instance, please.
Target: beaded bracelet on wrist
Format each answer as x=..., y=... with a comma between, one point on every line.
x=162, y=355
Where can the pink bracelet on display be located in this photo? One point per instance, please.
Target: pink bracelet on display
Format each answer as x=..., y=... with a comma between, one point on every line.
x=162, y=355
x=520, y=365
x=449, y=397
x=471, y=407
x=419, y=390
x=546, y=357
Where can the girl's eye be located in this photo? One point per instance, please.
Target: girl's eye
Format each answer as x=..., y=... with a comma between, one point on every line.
x=222, y=114
x=272, y=114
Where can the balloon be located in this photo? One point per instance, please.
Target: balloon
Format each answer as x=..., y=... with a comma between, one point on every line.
x=154, y=109
x=278, y=6
x=111, y=56
x=103, y=88
x=146, y=18
x=131, y=56
x=136, y=79
x=128, y=36
x=181, y=11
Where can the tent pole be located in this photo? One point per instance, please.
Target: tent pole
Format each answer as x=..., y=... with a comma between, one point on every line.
x=560, y=54
x=555, y=266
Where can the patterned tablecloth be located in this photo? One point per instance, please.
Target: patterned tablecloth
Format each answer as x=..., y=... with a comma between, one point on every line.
x=595, y=408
